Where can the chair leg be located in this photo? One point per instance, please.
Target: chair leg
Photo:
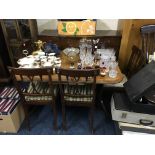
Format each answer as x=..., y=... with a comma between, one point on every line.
x=105, y=110
x=27, y=117
x=91, y=117
x=55, y=117
x=64, y=117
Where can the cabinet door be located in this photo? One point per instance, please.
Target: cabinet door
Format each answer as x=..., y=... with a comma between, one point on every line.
x=4, y=59
x=24, y=28
x=19, y=29
x=10, y=29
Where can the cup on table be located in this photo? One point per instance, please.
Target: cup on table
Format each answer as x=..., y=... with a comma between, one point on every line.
x=43, y=57
x=43, y=61
x=47, y=64
x=50, y=58
x=36, y=64
x=36, y=57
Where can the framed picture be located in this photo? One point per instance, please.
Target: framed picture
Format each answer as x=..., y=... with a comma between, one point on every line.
x=76, y=27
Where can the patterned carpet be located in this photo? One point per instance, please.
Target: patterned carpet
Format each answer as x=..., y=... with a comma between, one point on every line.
x=41, y=121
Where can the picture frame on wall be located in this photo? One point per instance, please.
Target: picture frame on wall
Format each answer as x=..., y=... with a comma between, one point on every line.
x=76, y=27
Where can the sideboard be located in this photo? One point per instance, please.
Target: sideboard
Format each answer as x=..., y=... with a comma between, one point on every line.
x=110, y=38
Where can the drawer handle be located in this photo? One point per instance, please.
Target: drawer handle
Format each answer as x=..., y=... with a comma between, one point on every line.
x=1, y=119
x=145, y=122
x=124, y=115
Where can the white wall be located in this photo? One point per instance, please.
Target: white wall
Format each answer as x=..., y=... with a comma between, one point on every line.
x=102, y=24
x=107, y=24
x=46, y=24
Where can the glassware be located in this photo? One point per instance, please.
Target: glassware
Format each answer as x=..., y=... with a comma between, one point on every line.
x=89, y=60
x=95, y=43
x=104, y=61
x=113, y=58
x=86, y=54
x=113, y=70
x=72, y=56
x=89, y=48
x=82, y=55
x=82, y=46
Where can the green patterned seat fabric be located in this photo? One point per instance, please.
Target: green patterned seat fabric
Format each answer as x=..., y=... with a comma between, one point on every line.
x=41, y=88
x=81, y=90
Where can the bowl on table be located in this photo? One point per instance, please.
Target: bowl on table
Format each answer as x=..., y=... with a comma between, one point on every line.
x=72, y=54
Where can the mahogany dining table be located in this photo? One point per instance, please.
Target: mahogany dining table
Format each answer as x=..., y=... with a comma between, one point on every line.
x=99, y=79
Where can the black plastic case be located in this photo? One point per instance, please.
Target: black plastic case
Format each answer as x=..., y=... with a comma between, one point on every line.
x=141, y=82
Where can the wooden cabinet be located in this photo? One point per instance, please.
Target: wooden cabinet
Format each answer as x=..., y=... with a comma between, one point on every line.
x=16, y=33
x=4, y=59
x=131, y=36
x=110, y=38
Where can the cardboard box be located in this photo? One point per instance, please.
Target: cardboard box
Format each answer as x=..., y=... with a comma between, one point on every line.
x=11, y=122
x=85, y=27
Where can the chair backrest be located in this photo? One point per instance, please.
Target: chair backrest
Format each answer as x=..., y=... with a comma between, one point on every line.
x=31, y=84
x=148, y=40
x=78, y=84
x=136, y=61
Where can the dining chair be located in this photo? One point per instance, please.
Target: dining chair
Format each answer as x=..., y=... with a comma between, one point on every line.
x=148, y=41
x=136, y=61
x=78, y=88
x=35, y=87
